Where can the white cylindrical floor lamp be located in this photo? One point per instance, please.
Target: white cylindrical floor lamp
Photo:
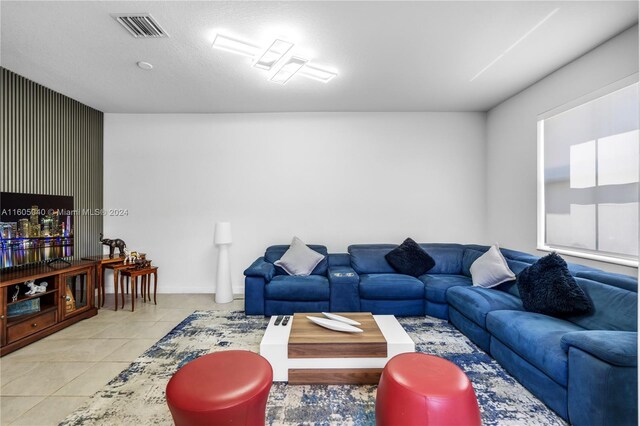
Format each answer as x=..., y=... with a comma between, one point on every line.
x=224, y=290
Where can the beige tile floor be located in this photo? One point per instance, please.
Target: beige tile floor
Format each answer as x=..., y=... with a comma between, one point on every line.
x=44, y=382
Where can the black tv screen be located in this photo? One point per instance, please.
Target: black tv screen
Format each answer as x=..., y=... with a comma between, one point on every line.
x=35, y=228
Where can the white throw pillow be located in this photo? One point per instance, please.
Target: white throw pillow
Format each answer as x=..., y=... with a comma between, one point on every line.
x=491, y=269
x=299, y=259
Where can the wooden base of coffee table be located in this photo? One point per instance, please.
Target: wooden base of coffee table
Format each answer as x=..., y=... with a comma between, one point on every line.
x=335, y=376
x=305, y=353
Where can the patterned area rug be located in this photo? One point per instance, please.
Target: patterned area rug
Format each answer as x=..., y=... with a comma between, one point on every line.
x=136, y=396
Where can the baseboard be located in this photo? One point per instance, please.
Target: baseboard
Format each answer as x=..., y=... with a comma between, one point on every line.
x=237, y=291
x=236, y=296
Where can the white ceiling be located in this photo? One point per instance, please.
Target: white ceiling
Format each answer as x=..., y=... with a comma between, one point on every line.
x=390, y=56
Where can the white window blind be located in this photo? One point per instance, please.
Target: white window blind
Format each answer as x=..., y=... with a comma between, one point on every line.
x=589, y=173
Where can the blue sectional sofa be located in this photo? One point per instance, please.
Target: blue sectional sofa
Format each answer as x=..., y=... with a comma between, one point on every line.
x=583, y=367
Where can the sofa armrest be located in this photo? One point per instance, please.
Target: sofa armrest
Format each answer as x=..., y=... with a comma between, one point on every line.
x=602, y=386
x=344, y=283
x=261, y=268
x=614, y=347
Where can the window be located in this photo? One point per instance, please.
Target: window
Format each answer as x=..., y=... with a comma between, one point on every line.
x=588, y=176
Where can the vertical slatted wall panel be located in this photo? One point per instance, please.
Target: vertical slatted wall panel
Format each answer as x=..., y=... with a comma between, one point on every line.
x=52, y=144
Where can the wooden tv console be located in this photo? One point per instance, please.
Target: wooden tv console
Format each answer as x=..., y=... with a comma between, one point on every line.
x=67, y=300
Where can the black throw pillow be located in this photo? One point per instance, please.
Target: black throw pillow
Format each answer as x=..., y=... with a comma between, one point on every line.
x=409, y=259
x=547, y=287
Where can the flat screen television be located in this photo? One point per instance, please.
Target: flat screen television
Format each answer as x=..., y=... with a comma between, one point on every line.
x=35, y=228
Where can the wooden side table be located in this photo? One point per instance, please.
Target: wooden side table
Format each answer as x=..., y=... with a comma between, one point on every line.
x=117, y=268
x=102, y=261
x=145, y=288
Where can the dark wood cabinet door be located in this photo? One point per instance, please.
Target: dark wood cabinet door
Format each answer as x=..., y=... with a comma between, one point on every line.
x=76, y=292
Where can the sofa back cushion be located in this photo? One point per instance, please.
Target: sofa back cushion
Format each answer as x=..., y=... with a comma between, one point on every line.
x=339, y=259
x=576, y=268
x=469, y=256
x=274, y=253
x=473, y=252
x=448, y=257
x=614, y=308
x=369, y=258
x=516, y=266
x=617, y=280
x=519, y=256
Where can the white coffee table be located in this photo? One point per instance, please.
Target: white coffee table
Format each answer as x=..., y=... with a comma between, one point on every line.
x=324, y=363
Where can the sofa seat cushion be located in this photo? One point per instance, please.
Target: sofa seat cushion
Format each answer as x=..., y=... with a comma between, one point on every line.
x=436, y=286
x=290, y=287
x=534, y=337
x=476, y=302
x=390, y=287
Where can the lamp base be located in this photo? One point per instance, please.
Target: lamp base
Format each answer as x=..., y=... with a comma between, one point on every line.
x=224, y=290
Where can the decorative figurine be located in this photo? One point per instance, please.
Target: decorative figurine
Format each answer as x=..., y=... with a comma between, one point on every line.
x=15, y=295
x=130, y=257
x=34, y=288
x=70, y=301
x=117, y=242
x=142, y=264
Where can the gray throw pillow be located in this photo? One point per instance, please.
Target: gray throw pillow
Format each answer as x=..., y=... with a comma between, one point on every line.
x=491, y=269
x=299, y=259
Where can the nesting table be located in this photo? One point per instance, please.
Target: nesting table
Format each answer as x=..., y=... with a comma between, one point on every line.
x=116, y=263
x=145, y=290
x=104, y=261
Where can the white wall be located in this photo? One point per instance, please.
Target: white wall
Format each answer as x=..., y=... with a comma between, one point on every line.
x=329, y=178
x=511, y=140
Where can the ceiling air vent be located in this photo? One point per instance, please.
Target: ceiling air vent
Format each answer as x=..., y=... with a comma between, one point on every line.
x=141, y=25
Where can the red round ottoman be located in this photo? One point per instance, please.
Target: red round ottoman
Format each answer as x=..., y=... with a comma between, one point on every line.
x=221, y=388
x=420, y=389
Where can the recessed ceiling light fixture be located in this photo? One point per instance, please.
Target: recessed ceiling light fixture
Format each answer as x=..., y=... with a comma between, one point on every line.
x=273, y=54
x=288, y=70
x=145, y=65
x=517, y=42
x=235, y=46
x=268, y=59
